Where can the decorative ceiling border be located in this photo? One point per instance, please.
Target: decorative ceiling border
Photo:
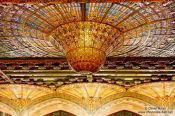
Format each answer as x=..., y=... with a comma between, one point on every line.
x=75, y=1
x=111, y=63
x=54, y=72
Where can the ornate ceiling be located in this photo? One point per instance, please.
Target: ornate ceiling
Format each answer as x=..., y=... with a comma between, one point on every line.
x=74, y=1
x=139, y=70
x=27, y=29
x=84, y=96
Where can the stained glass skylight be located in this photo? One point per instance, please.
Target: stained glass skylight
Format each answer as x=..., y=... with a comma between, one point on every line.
x=147, y=28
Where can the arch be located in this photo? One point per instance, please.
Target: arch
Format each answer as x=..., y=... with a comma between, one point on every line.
x=4, y=114
x=52, y=105
x=60, y=112
x=125, y=112
x=5, y=108
x=126, y=103
x=87, y=90
x=159, y=91
x=133, y=95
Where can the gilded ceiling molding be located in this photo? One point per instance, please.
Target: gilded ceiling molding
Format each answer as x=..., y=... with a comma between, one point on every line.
x=37, y=71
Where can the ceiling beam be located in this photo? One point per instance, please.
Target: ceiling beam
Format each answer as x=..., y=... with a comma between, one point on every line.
x=65, y=73
x=5, y=77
